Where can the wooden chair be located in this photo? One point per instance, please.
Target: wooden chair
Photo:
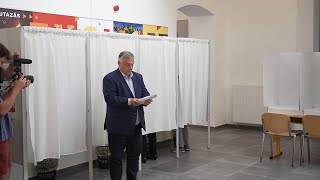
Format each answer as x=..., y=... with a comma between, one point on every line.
x=277, y=125
x=311, y=129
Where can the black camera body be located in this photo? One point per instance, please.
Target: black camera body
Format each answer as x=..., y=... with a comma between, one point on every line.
x=1, y=75
x=17, y=73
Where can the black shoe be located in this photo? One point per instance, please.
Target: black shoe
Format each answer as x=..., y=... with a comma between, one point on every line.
x=152, y=156
x=144, y=160
x=186, y=148
x=155, y=156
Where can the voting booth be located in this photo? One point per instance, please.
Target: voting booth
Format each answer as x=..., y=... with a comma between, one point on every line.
x=310, y=84
x=291, y=83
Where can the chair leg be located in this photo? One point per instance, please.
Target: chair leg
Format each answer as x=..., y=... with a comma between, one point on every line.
x=302, y=149
x=308, y=144
x=261, y=153
x=293, y=149
x=301, y=153
x=271, y=145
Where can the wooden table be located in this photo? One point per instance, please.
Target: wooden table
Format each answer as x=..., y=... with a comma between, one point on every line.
x=276, y=139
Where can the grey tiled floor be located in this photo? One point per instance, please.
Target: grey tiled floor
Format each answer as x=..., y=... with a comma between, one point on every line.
x=234, y=155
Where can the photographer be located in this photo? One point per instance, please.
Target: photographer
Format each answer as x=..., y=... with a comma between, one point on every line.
x=7, y=99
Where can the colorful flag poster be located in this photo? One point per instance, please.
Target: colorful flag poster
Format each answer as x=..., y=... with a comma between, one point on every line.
x=95, y=25
x=14, y=18
x=128, y=28
x=153, y=30
x=54, y=21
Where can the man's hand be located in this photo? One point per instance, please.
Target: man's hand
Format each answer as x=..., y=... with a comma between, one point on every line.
x=147, y=102
x=135, y=102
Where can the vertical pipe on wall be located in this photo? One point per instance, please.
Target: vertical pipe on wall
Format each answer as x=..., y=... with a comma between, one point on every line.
x=177, y=99
x=89, y=115
x=25, y=136
x=88, y=100
x=24, y=118
x=208, y=100
x=137, y=64
x=316, y=26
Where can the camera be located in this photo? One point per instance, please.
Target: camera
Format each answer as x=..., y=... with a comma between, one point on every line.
x=17, y=73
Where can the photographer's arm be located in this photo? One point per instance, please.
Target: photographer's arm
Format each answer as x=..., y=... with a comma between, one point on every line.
x=9, y=96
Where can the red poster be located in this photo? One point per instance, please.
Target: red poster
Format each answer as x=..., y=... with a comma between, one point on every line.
x=54, y=21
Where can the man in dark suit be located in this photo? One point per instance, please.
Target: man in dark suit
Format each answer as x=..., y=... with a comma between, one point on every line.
x=122, y=89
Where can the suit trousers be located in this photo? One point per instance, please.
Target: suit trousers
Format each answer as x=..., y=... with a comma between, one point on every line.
x=133, y=145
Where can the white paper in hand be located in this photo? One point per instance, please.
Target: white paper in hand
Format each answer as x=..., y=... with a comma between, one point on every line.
x=141, y=100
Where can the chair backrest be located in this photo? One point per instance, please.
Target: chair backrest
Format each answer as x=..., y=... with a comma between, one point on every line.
x=278, y=124
x=311, y=125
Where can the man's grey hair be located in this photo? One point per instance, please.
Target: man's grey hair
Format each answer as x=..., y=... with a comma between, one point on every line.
x=126, y=55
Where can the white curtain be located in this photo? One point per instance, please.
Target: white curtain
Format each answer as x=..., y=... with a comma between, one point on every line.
x=56, y=101
x=158, y=67
x=104, y=50
x=193, y=81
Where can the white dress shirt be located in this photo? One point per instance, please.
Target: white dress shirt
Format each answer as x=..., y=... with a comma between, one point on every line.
x=129, y=81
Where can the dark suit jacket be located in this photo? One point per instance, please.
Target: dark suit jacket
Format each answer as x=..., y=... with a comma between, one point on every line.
x=120, y=117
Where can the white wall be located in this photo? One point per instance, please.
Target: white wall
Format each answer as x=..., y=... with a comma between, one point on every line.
x=63, y=7
x=153, y=12
x=255, y=32
x=305, y=20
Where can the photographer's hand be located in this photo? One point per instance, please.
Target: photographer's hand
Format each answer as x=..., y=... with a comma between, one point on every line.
x=20, y=83
x=27, y=84
x=10, y=95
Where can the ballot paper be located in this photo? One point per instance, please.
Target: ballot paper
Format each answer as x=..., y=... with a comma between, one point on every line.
x=141, y=100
